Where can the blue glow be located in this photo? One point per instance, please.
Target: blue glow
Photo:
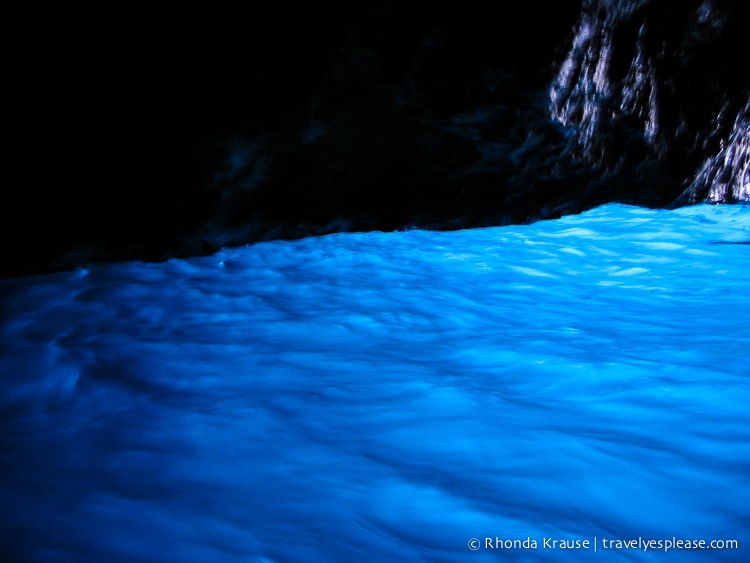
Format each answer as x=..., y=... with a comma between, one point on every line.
x=386, y=396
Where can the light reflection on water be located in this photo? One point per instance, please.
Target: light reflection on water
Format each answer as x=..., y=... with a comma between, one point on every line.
x=386, y=396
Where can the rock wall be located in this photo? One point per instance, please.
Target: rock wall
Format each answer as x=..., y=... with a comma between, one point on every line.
x=153, y=135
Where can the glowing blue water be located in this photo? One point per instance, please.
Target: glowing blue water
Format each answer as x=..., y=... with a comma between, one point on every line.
x=386, y=397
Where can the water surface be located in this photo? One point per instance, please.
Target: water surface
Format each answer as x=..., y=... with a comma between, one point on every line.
x=387, y=396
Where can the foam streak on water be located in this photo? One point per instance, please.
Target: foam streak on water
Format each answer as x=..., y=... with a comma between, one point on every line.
x=386, y=396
